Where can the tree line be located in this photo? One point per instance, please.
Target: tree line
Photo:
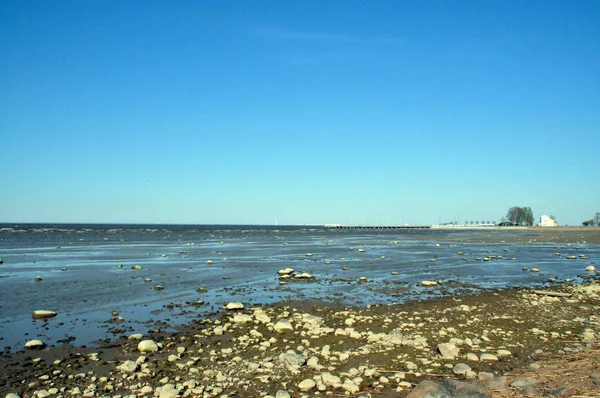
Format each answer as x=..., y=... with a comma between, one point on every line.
x=520, y=216
x=593, y=222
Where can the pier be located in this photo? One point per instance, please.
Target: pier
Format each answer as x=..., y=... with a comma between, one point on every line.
x=377, y=227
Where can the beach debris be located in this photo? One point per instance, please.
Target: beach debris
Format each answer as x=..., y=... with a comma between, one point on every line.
x=43, y=314
x=63, y=269
x=147, y=346
x=38, y=278
x=429, y=283
x=286, y=271
x=35, y=345
x=234, y=306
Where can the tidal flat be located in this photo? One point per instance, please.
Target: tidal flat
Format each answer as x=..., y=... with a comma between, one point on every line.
x=362, y=322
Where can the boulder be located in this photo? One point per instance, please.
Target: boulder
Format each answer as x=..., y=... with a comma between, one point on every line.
x=43, y=314
x=330, y=380
x=35, y=345
x=448, y=389
x=147, y=346
x=242, y=318
x=461, y=369
x=590, y=268
x=168, y=391
x=135, y=336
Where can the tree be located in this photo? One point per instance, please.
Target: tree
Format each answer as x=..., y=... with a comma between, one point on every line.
x=594, y=222
x=597, y=219
x=520, y=215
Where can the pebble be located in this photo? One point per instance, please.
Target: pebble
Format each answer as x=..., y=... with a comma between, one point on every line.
x=461, y=369
x=43, y=314
x=147, y=346
x=234, y=306
x=35, y=344
x=307, y=384
x=488, y=357
x=282, y=325
x=448, y=350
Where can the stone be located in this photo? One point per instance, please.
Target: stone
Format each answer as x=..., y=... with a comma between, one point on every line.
x=35, y=344
x=261, y=316
x=291, y=360
x=472, y=357
x=307, y=384
x=147, y=346
x=43, y=314
x=485, y=376
x=282, y=394
x=535, y=270
x=242, y=318
x=128, y=367
x=503, y=353
x=313, y=363
x=488, y=357
x=135, y=336
x=350, y=386
x=286, y=271
x=523, y=384
x=448, y=350
x=11, y=394
x=282, y=325
x=448, y=389
x=429, y=283
x=330, y=380
x=461, y=369
x=234, y=306
x=590, y=268
x=168, y=391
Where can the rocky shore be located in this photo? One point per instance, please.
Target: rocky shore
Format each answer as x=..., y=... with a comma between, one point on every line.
x=500, y=343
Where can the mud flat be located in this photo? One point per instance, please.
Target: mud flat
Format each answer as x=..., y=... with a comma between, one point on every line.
x=510, y=342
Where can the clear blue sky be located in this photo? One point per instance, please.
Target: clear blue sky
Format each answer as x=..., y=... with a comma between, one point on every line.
x=301, y=112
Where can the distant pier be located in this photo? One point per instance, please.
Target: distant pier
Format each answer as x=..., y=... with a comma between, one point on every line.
x=377, y=227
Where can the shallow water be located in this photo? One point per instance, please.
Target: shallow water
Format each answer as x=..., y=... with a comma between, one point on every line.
x=93, y=286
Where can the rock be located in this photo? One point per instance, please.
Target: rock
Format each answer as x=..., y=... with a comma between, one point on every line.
x=286, y=271
x=429, y=283
x=242, y=318
x=234, y=306
x=330, y=380
x=147, y=346
x=168, y=391
x=35, y=345
x=304, y=275
x=472, y=357
x=159, y=287
x=291, y=360
x=10, y=394
x=307, y=384
x=448, y=389
x=590, y=268
x=209, y=262
x=485, y=376
x=135, y=336
x=282, y=325
x=523, y=383
x=535, y=270
x=282, y=394
x=503, y=353
x=461, y=369
x=350, y=386
x=127, y=367
x=43, y=314
x=261, y=316
x=448, y=350
x=488, y=357
x=313, y=363
x=137, y=267
x=38, y=278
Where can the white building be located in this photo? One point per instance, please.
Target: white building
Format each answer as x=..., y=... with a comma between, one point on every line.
x=546, y=221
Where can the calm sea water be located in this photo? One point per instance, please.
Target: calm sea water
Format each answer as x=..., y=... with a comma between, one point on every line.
x=245, y=261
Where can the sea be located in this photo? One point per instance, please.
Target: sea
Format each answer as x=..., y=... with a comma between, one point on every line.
x=108, y=281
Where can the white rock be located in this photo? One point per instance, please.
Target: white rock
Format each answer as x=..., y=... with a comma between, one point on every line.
x=429, y=283
x=461, y=369
x=168, y=391
x=43, y=314
x=590, y=268
x=282, y=325
x=12, y=395
x=35, y=344
x=313, y=363
x=448, y=350
x=136, y=336
x=330, y=380
x=242, y=318
x=234, y=306
x=488, y=357
x=147, y=346
x=292, y=361
x=282, y=394
x=472, y=357
x=127, y=367
x=307, y=384
x=503, y=353
x=286, y=271
x=261, y=316
x=350, y=386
